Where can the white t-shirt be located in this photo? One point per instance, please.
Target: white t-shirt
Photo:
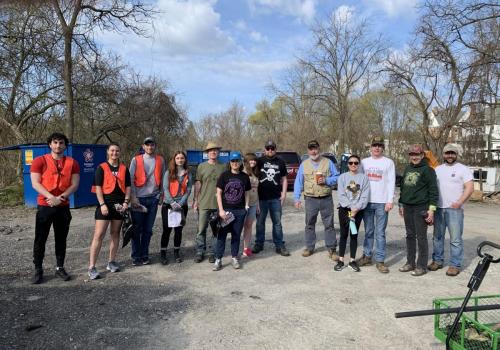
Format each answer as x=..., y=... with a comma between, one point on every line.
x=382, y=176
x=451, y=180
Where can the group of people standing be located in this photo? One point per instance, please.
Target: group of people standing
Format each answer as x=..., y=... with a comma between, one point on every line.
x=229, y=198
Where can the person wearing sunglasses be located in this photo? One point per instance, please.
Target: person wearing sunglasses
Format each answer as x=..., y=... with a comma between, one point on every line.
x=382, y=177
x=417, y=204
x=315, y=178
x=272, y=194
x=455, y=183
x=233, y=197
x=353, y=193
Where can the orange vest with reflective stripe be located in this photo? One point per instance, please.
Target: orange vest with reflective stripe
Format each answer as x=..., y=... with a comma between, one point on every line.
x=174, y=186
x=110, y=180
x=140, y=172
x=52, y=178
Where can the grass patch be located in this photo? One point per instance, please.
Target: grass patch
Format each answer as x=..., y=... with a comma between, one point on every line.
x=11, y=196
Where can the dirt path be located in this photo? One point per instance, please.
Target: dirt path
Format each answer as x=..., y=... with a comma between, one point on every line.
x=274, y=302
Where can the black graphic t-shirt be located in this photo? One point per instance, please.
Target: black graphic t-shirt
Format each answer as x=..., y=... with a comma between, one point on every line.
x=233, y=188
x=270, y=172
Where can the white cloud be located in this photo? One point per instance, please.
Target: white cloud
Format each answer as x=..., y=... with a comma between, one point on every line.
x=305, y=10
x=241, y=25
x=394, y=8
x=344, y=13
x=257, y=37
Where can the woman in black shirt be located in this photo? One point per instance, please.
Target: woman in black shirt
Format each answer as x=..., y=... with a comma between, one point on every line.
x=111, y=186
x=233, y=195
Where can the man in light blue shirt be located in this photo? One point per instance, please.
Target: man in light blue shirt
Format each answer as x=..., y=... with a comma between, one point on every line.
x=315, y=178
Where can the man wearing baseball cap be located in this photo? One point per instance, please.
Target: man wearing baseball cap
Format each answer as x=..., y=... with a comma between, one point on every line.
x=455, y=183
x=205, y=201
x=272, y=194
x=382, y=176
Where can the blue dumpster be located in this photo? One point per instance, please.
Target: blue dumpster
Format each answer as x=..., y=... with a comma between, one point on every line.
x=195, y=156
x=88, y=157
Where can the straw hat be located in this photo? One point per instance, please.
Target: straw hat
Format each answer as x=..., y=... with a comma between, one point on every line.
x=211, y=145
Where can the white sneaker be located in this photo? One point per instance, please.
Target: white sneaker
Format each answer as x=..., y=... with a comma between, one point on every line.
x=236, y=263
x=217, y=265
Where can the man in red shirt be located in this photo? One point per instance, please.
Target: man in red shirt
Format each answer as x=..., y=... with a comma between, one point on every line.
x=55, y=177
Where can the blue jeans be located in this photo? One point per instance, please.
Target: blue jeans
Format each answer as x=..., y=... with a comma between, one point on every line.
x=273, y=206
x=235, y=228
x=375, y=219
x=144, y=225
x=454, y=220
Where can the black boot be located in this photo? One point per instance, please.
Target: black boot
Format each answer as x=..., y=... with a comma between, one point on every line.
x=163, y=257
x=38, y=278
x=177, y=256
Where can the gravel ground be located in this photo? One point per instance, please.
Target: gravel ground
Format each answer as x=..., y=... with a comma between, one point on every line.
x=273, y=302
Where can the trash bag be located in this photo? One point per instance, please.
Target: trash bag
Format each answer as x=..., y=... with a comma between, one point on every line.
x=215, y=223
x=128, y=228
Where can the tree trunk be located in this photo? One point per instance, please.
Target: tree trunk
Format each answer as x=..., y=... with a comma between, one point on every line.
x=68, y=86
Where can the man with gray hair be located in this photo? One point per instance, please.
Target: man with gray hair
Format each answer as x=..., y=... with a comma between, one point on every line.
x=455, y=182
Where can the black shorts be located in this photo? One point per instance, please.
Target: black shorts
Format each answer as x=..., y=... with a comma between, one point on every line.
x=112, y=213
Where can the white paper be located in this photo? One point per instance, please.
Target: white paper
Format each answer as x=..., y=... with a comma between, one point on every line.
x=174, y=218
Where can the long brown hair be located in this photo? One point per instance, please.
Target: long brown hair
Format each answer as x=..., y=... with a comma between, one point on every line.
x=172, y=168
x=248, y=169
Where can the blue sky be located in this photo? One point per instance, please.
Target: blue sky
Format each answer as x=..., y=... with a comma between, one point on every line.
x=215, y=52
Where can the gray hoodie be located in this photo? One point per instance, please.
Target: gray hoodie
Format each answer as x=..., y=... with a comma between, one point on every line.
x=353, y=190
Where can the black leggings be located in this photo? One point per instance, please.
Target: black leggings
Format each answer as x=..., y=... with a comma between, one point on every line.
x=344, y=231
x=165, y=237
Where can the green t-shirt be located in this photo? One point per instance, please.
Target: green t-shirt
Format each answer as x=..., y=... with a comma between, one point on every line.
x=208, y=174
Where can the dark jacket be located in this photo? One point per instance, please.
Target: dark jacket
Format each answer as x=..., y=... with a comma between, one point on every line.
x=419, y=185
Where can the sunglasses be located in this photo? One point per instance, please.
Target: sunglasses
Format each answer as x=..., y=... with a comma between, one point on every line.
x=270, y=148
x=235, y=160
x=378, y=145
x=353, y=163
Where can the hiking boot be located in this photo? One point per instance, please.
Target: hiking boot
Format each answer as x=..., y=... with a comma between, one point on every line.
x=332, y=254
x=177, y=256
x=235, y=263
x=38, y=278
x=211, y=259
x=113, y=267
x=146, y=261
x=247, y=252
x=217, y=265
x=418, y=272
x=452, y=271
x=62, y=274
x=365, y=261
x=137, y=262
x=434, y=266
x=382, y=268
x=282, y=251
x=257, y=249
x=406, y=268
x=354, y=266
x=340, y=266
x=307, y=252
x=93, y=273
x=198, y=258
x=163, y=257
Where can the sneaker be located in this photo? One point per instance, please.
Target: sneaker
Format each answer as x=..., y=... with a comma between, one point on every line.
x=137, y=262
x=198, y=258
x=354, y=266
x=163, y=257
x=62, y=274
x=365, y=261
x=339, y=266
x=332, y=253
x=217, y=265
x=211, y=259
x=177, y=256
x=406, y=268
x=418, y=272
x=93, y=273
x=247, y=252
x=452, y=271
x=146, y=261
x=434, y=266
x=257, y=249
x=282, y=251
x=235, y=263
x=382, y=268
x=38, y=278
x=307, y=252
x=113, y=267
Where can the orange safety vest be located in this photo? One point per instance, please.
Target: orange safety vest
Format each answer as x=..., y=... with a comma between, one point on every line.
x=52, y=178
x=174, y=186
x=431, y=159
x=140, y=172
x=110, y=180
